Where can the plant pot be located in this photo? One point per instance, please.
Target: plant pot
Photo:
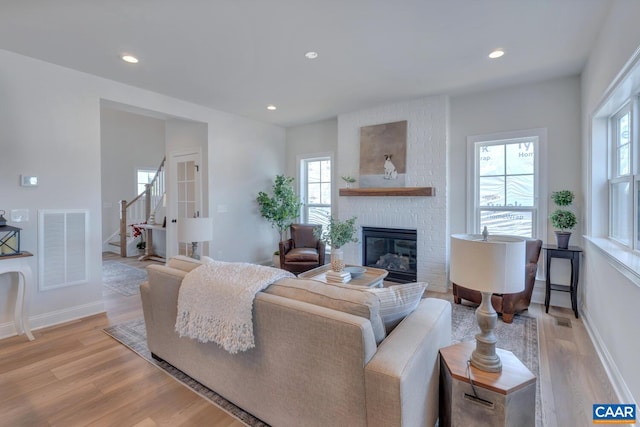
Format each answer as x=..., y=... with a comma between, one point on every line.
x=562, y=239
x=337, y=259
x=276, y=260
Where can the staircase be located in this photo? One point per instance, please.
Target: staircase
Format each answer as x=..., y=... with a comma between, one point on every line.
x=140, y=210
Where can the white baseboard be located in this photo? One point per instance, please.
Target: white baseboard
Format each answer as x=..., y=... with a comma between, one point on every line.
x=54, y=318
x=610, y=367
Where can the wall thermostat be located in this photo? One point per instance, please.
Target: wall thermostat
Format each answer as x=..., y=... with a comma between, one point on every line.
x=28, y=181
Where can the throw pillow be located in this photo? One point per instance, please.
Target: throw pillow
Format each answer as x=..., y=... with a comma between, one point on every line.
x=335, y=297
x=397, y=301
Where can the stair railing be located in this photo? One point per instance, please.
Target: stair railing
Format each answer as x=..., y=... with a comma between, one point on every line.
x=141, y=208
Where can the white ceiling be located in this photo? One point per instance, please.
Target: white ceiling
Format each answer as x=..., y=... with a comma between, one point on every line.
x=241, y=55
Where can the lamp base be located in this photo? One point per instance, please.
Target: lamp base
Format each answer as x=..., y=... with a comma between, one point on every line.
x=484, y=357
x=194, y=250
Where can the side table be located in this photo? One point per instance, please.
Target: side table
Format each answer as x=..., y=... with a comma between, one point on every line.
x=18, y=264
x=572, y=253
x=506, y=398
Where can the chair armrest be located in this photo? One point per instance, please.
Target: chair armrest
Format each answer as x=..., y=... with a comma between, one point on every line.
x=284, y=247
x=402, y=378
x=322, y=248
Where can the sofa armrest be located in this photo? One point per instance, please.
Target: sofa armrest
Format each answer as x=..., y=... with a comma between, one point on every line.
x=401, y=379
x=160, y=305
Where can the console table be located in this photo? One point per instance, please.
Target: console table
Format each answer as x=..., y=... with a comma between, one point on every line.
x=149, y=253
x=572, y=253
x=18, y=264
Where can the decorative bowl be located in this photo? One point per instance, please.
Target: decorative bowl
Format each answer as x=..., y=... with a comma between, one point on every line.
x=355, y=271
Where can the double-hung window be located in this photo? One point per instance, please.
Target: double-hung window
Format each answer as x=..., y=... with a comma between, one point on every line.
x=622, y=179
x=315, y=189
x=144, y=177
x=505, y=184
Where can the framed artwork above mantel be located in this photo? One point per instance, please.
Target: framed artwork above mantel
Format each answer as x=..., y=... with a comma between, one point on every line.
x=383, y=155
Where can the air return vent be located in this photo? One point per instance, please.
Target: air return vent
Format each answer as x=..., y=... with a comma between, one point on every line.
x=63, y=242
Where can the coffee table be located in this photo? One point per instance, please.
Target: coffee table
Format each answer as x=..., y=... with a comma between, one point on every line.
x=372, y=277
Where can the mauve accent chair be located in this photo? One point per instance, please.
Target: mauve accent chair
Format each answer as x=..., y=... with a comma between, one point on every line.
x=303, y=251
x=508, y=304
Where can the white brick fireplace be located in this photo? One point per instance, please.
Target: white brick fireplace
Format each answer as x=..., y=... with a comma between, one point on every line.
x=427, y=123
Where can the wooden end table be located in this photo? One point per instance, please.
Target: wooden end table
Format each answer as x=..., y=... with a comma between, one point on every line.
x=372, y=277
x=506, y=398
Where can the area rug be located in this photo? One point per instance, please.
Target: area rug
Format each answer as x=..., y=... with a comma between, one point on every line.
x=520, y=337
x=122, y=278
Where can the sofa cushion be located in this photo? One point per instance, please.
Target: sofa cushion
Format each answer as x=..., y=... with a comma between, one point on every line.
x=340, y=298
x=301, y=255
x=397, y=301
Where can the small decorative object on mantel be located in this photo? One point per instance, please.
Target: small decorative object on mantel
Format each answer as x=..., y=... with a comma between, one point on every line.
x=563, y=219
x=349, y=180
x=9, y=237
x=337, y=234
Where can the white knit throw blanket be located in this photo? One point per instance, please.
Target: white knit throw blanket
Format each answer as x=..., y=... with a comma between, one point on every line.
x=215, y=302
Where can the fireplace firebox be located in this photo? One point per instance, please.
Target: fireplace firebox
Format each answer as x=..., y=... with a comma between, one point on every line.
x=392, y=249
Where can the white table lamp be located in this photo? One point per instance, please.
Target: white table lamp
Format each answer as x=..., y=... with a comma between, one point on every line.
x=495, y=265
x=194, y=230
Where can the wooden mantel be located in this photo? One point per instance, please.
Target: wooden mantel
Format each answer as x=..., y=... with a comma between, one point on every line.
x=390, y=191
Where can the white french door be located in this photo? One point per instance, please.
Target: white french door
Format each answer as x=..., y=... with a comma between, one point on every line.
x=185, y=196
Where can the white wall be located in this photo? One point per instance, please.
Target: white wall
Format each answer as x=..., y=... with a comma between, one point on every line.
x=610, y=299
x=314, y=138
x=128, y=142
x=426, y=167
x=50, y=121
x=551, y=104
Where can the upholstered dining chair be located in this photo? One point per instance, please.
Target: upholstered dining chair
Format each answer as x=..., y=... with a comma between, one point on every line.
x=508, y=304
x=303, y=251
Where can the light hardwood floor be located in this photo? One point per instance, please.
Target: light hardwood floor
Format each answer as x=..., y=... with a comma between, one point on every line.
x=75, y=375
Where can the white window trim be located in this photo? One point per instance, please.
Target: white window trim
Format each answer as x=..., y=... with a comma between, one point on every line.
x=300, y=173
x=623, y=88
x=542, y=190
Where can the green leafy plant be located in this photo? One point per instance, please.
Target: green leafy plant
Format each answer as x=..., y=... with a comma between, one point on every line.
x=338, y=233
x=283, y=207
x=563, y=219
x=562, y=197
x=349, y=179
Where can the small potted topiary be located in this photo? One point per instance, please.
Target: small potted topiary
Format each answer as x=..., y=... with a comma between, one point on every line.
x=563, y=219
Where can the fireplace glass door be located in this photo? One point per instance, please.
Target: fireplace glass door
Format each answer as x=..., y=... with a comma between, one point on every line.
x=394, y=250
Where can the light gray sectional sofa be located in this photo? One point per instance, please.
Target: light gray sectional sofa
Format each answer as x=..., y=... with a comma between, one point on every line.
x=311, y=365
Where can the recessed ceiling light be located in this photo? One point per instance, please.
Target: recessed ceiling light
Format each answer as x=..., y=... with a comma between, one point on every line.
x=271, y=107
x=311, y=55
x=496, y=54
x=130, y=59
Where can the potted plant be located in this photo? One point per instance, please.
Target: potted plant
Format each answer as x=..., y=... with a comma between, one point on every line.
x=337, y=234
x=563, y=219
x=280, y=209
x=349, y=180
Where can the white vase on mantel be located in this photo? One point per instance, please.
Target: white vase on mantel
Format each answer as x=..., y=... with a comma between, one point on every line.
x=337, y=259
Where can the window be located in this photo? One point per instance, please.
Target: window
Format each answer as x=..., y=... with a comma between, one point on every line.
x=144, y=177
x=621, y=178
x=506, y=184
x=315, y=190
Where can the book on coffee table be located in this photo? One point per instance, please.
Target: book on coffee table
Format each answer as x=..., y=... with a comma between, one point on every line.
x=338, y=276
